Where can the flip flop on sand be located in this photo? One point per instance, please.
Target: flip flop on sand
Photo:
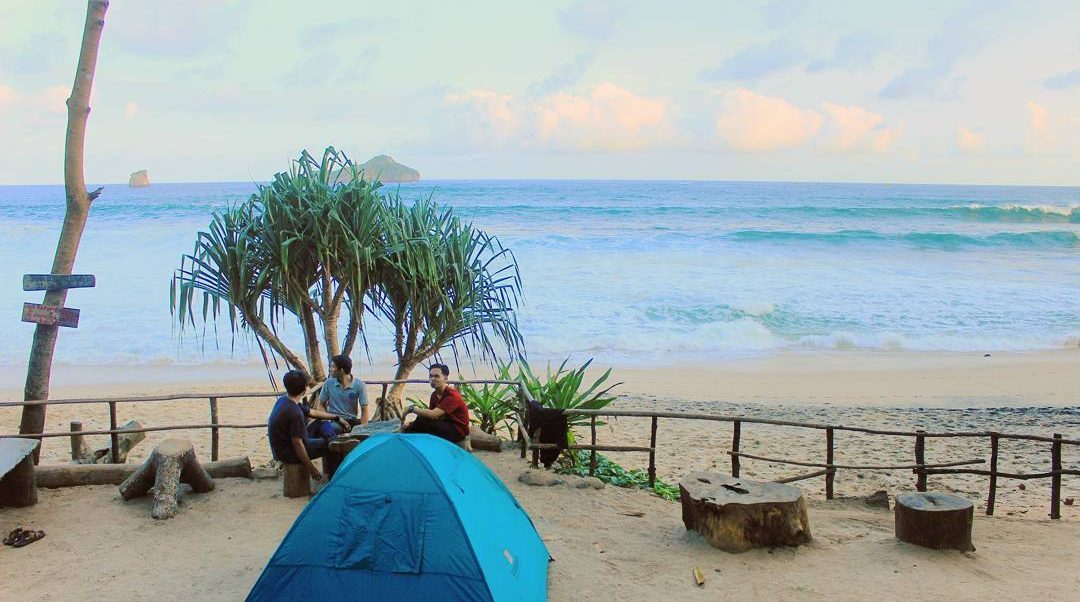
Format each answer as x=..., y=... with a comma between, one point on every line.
x=13, y=536
x=28, y=537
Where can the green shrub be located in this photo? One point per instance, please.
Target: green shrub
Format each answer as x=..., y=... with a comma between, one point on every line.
x=612, y=473
x=492, y=407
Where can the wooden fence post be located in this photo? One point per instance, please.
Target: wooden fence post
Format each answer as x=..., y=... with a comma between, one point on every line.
x=78, y=444
x=736, y=431
x=521, y=419
x=990, y=497
x=829, y=463
x=592, y=452
x=214, y=441
x=920, y=459
x=1055, y=481
x=114, y=452
x=652, y=454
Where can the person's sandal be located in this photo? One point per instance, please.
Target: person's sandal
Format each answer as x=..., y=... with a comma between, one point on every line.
x=28, y=537
x=13, y=536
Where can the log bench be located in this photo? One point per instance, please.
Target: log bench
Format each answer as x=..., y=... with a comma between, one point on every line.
x=736, y=515
x=18, y=486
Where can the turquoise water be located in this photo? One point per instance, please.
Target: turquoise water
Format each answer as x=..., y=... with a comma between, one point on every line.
x=630, y=272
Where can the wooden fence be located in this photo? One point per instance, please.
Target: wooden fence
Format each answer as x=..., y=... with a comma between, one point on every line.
x=827, y=469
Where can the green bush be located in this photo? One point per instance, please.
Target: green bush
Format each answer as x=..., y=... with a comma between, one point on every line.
x=614, y=474
x=492, y=407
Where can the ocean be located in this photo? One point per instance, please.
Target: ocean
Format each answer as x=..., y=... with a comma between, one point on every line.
x=628, y=272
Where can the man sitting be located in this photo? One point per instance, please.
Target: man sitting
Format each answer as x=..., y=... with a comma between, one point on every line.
x=289, y=440
x=342, y=395
x=446, y=416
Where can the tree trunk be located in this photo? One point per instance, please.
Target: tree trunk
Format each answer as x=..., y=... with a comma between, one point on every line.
x=39, y=368
x=394, y=404
x=263, y=332
x=170, y=464
x=934, y=520
x=736, y=515
x=311, y=344
x=50, y=476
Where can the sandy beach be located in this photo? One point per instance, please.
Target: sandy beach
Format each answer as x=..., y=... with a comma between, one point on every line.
x=597, y=549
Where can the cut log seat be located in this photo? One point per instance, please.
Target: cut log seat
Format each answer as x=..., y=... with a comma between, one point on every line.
x=171, y=462
x=736, y=515
x=934, y=520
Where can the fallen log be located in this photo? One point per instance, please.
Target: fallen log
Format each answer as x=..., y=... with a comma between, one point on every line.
x=736, y=515
x=52, y=476
x=171, y=462
x=127, y=441
x=934, y=520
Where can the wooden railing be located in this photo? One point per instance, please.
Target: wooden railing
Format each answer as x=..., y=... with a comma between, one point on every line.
x=215, y=426
x=829, y=467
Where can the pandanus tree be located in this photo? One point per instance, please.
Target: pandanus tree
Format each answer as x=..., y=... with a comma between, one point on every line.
x=304, y=245
x=320, y=243
x=443, y=283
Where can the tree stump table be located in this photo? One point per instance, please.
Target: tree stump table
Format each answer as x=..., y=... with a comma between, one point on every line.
x=736, y=515
x=345, y=443
x=18, y=485
x=171, y=463
x=934, y=520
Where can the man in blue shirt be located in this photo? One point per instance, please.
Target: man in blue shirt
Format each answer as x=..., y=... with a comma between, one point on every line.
x=289, y=440
x=343, y=395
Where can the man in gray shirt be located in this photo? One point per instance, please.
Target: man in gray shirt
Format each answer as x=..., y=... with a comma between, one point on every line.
x=343, y=394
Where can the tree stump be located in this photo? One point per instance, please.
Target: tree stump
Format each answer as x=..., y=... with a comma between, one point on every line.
x=934, y=520
x=18, y=485
x=296, y=482
x=171, y=463
x=736, y=515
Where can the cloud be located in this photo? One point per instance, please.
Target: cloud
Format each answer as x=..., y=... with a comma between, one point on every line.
x=1063, y=81
x=480, y=119
x=607, y=119
x=852, y=51
x=8, y=97
x=565, y=76
x=177, y=28
x=131, y=109
x=610, y=118
x=753, y=122
x=54, y=99
x=593, y=19
x=854, y=129
x=1040, y=135
x=754, y=62
x=962, y=34
x=969, y=141
x=782, y=12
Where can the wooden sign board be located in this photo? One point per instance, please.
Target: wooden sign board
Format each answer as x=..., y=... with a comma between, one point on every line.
x=50, y=316
x=46, y=282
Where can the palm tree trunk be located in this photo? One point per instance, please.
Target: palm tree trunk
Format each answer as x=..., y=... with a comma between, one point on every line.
x=39, y=368
x=311, y=344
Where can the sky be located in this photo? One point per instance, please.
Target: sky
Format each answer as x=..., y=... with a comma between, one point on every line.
x=784, y=90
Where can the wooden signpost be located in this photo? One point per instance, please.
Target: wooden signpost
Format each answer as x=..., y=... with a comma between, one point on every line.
x=49, y=282
x=48, y=315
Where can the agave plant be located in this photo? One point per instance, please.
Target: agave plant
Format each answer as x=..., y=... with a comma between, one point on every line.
x=492, y=407
x=563, y=389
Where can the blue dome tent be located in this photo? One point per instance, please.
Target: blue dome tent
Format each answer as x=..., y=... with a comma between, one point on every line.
x=409, y=517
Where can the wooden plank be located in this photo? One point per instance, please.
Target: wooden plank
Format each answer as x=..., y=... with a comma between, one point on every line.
x=51, y=282
x=50, y=316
